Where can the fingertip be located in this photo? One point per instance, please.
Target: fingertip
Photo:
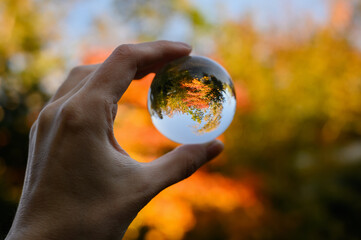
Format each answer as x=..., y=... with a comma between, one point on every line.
x=179, y=49
x=182, y=162
x=185, y=45
x=208, y=150
x=214, y=148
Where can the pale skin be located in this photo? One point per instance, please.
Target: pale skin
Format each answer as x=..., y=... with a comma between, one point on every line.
x=79, y=183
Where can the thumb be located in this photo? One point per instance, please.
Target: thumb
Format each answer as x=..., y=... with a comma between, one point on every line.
x=181, y=163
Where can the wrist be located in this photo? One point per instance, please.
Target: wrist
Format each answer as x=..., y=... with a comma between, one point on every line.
x=24, y=233
x=60, y=225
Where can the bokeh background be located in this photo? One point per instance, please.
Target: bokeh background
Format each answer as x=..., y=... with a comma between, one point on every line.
x=291, y=168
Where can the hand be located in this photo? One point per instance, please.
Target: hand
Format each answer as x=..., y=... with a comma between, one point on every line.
x=79, y=183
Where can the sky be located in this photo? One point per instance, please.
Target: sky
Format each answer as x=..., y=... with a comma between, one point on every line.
x=266, y=11
x=78, y=20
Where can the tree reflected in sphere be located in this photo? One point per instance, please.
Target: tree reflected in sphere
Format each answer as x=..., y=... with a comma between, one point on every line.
x=192, y=100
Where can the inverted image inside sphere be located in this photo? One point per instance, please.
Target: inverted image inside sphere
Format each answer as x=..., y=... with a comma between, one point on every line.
x=192, y=100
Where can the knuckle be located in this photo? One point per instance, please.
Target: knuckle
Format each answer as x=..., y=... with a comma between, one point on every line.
x=46, y=115
x=76, y=70
x=76, y=74
x=124, y=51
x=70, y=116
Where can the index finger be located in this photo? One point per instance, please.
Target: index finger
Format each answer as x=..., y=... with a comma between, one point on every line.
x=114, y=76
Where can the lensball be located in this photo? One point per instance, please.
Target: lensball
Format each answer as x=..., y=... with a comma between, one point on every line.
x=192, y=100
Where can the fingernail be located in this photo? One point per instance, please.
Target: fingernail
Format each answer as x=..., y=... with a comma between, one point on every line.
x=214, y=148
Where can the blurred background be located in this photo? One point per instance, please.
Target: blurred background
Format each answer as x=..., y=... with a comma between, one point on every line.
x=291, y=168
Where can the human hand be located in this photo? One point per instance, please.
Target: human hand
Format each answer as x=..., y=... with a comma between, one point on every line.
x=79, y=183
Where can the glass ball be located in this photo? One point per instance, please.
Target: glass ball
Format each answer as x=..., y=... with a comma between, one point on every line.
x=192, y=100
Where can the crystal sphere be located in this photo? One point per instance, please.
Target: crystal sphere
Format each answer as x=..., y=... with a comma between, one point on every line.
x=192, y=100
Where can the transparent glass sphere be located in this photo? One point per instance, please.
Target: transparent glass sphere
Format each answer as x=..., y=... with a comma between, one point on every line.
x=192, y=100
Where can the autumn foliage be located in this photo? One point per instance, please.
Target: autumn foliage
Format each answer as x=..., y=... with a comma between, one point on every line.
x=291, y=166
